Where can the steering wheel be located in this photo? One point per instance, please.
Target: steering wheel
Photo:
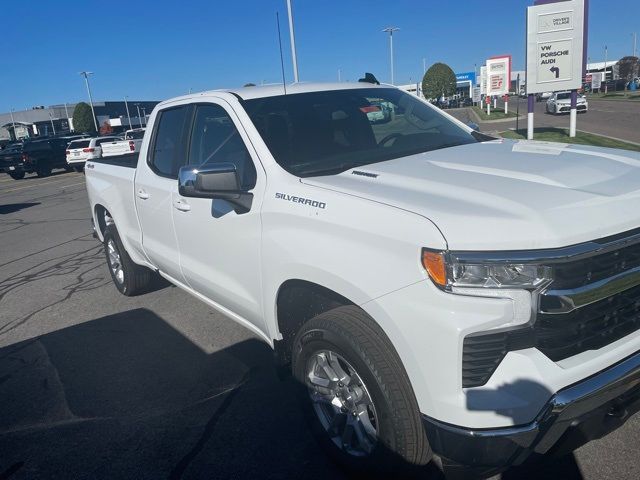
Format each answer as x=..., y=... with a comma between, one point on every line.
x=389, y=138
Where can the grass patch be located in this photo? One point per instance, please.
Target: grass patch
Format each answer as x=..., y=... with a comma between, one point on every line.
x=562, y=135
x=496, y=113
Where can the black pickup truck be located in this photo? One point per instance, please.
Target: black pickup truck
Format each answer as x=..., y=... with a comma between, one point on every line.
x=35, y=156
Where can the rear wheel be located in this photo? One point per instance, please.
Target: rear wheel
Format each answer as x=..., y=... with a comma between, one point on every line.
x=79, y=168
x=357, y=396
x=129, y=278
x=43, y=170
x=17, y=175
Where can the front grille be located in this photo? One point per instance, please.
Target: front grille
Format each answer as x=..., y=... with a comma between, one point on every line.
x=563, y=335
x=579, y=273
x=590, y=327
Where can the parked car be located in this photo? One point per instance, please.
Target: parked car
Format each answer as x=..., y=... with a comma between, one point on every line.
x=431, y=289
x=560, y=102
x=38, y=156
x=81, y=150
x=130, y=144
x=543, y=96
x=467, y=102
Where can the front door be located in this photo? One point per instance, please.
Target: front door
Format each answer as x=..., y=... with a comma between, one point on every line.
x=219, y=248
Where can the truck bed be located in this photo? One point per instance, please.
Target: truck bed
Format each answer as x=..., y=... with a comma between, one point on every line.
x=129, y=160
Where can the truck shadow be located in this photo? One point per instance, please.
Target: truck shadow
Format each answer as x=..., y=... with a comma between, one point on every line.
x=129, y=396
x=16, y=207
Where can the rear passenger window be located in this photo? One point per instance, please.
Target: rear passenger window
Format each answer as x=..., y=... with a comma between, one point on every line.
x=215, y=139
x=167, y=152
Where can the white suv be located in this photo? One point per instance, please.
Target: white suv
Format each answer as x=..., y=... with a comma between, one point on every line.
x=79, y=151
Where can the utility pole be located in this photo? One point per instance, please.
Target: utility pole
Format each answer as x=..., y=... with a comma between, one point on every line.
x=390, y=30
x=339, y=75
x=139, y=119
x=635, y=43
x=144, y=115
x=13, y=122
x=126, y=105
x=86, y=81
x=605, y=69
x=292, y=36
x=424, y=66
x=52, y=125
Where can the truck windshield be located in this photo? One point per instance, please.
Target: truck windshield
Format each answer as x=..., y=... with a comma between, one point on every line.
x=323, y=133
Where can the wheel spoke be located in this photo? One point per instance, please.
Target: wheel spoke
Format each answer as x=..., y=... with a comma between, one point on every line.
x=347, y=432
x=337, y=424
x=337, y=369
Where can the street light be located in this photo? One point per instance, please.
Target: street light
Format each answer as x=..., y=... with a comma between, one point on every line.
x=390, y=30
x=52, y=125
x=86, y=81
x=13, y=122
x=126, y=105
x=139, y=120
x=606, y=89
x=144, y=115
x=294, y=56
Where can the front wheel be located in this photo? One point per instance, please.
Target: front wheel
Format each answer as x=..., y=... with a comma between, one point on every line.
x=129, y=278
x=357, y=396
x=17, y=175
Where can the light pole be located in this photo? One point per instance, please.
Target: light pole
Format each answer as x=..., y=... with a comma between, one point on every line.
x=292, y=36
x=144, y=115
x=66, y=112
x=390, y=30
x=424, y=66
x=339, y=75
x=13, y=122
x=139, y=119
x=52, y=125
x=635, y=43
x=86, y=81
x=126, y=105
x=605, y=69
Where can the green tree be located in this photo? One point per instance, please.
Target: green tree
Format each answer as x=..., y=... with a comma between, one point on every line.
x=83, y=118
x=629, y=67
x=439, y=80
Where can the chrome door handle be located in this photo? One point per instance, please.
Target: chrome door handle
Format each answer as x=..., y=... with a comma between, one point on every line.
x=182, y=206
x=142, y=194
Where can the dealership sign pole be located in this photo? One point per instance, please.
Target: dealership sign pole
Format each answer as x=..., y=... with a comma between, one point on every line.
x=498, y=77
x=555, y=52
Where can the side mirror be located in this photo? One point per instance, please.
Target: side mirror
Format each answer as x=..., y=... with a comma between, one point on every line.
x=214, y=181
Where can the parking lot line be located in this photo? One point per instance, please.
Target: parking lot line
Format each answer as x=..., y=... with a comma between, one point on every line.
x=37, y=184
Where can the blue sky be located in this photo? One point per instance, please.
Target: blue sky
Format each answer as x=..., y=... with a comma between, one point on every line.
x=158, y=49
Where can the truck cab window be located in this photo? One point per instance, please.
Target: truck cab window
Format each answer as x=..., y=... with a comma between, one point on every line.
x=166, y=154
x=215, y=139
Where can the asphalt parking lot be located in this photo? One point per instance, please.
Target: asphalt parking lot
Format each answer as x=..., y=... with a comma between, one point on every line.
x=95, y=385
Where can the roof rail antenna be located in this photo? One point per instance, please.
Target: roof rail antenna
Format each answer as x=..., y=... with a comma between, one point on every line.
x=284, y=82
x=369, y=78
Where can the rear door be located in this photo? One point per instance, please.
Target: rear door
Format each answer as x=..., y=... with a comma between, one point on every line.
x=156, y=183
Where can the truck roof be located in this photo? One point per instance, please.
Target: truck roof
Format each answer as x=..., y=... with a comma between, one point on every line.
x=262, y=91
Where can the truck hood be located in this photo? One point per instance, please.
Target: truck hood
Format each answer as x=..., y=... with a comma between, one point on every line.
x=507, y=195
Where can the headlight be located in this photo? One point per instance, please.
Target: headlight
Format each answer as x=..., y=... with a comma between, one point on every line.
x=448, y=273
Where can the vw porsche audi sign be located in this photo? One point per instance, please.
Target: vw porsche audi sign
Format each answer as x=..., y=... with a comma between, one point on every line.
x=498, y=75
x=555, y=34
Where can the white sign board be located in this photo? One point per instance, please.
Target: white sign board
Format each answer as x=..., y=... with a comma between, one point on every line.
x=498, y=75
x=476, y=94
x=596, y=80
x=554, y=46
x=483, y=80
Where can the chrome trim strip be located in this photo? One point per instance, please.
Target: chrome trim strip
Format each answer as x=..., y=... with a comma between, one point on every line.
x=550, y=255
x=570, y=299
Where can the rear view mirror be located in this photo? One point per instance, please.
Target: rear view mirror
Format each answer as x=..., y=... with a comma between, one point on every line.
x=214, y=181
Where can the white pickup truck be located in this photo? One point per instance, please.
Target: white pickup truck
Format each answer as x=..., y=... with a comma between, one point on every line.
x=433, y=290
x=131, y=144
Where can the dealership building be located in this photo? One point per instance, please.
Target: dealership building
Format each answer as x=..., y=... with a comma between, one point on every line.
x=58, y=119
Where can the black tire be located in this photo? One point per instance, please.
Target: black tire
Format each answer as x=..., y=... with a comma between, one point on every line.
x=402, y=448
x=17, y=175
x=43, y=170
x=136, y=279
x=79, y=168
